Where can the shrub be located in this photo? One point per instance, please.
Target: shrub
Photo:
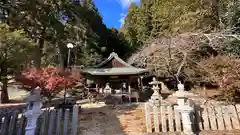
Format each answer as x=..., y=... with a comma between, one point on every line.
x=51, y=80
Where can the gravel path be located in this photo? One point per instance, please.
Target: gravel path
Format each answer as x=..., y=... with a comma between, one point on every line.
x=99, y=121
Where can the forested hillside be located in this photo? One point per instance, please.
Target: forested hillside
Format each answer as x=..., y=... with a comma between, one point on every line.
x=35, y=33
x=53, y=24
x=154, y=18
x=187, y=40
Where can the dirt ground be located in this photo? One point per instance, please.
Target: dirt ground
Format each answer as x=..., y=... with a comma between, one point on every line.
x=106, y=120
x=99, y=119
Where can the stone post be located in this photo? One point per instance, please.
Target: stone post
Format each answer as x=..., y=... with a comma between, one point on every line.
x=33, y=111
x=186, y=119
x=185, y=109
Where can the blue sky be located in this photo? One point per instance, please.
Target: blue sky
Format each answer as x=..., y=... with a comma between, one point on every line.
x=113, y=11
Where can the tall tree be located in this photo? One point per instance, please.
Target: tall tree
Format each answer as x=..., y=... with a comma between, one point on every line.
x=130, y=26
x=144, y=20
x=53, y=24
x=15, y=52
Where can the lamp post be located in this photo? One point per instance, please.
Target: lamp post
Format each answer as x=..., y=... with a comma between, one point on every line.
x=69, y=46
x=141, y=77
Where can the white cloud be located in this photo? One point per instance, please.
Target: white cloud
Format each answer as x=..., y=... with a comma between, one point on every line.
x=122, y=19
x=126, y=3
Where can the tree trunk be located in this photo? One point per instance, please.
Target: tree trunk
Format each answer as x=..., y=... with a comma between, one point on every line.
x=4, y=92
x=39, y=51
x=4, y=79
x=61, y=56
x=38, y=57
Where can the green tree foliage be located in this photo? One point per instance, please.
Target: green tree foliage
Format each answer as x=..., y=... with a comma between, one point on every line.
x=52, y=24
x=163, y=17
x=15, y=53
x=144, y=20
x=43, y=22
x=130, y=26
x=117, y=43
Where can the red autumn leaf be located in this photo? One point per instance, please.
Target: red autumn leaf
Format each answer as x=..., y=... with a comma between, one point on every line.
x=50, y=80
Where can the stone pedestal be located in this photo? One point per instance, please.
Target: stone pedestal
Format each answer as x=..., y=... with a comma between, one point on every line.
x=32, y=117
x=185, y=109
x=181, y=99
x=33, y=111
x=186, y=119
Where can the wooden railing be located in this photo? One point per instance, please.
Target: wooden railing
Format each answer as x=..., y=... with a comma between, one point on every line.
x=50, y=122
x=204, y=117
x=162, y=119
x=219, y=117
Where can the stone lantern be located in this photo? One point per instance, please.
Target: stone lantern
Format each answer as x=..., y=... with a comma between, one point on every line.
x=185, y=109
x=156, y=97
x=107, y=90
x=33, y=110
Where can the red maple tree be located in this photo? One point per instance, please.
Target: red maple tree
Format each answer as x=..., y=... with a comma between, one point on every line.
x=51, y=80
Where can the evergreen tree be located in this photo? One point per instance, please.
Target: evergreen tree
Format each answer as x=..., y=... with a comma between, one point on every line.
x=163, y=17
x=130, y=26
x=16, y=52
x=144, y=20
x=53, y=24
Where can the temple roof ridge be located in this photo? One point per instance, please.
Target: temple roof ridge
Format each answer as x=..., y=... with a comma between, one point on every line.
x=126, y=69
x=111, y=56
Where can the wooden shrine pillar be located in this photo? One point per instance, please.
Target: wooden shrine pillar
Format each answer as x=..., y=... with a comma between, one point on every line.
x=129, y=89
x=97, y=87
x=140, y=82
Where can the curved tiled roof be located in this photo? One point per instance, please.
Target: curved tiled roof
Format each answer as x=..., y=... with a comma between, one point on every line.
x=126, y=70
x=111, y=56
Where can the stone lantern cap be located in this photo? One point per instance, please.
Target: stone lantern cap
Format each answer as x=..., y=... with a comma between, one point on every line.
x=181, y=93
x=34, y=95
x=154, y=82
